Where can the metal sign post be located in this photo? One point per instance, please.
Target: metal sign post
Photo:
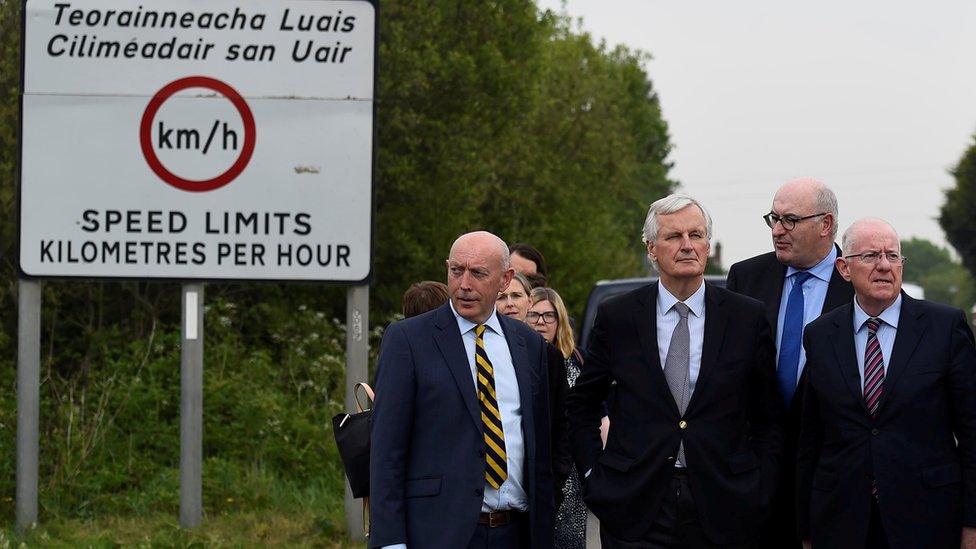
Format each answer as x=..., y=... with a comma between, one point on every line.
x=191, y=408
x=28, y=400
x=357, y=369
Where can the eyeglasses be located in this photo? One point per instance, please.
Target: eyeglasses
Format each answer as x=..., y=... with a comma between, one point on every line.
x=787, y=221
x=873, y=257
x=547, y=317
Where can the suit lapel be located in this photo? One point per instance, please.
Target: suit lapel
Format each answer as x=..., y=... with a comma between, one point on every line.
x=771, y=292
x=523, y=374
x=911, y=327
x=716, y=318
x=847, y=354
x=448, y=340
x=645, y=319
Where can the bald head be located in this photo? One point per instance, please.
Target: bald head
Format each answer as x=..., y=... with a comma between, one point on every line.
x=814, y=207
x=485, y=244
x=865, y=228
x=479, y=267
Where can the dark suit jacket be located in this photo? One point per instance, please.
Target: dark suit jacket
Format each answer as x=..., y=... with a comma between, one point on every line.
x=562, y=460
x=732, y=437
x=427, y=464
x=926, y=480
x=762, y=278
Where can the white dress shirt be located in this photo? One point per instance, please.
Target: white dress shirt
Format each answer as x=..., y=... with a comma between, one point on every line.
x=667, y=320
x=887, y=330
x=511, y=494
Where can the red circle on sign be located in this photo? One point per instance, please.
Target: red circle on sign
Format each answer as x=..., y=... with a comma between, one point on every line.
x=145, y=133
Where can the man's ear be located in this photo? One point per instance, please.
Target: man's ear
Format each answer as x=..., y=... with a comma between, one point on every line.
x=843, y=268
x=651, y=253
x=828, y=226
x=507, y=278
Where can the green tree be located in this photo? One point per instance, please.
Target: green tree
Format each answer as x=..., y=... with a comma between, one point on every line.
x=938, y=273
x=958, y=214
x=508, y=120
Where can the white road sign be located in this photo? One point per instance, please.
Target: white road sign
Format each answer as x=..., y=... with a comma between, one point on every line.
x=198, y=140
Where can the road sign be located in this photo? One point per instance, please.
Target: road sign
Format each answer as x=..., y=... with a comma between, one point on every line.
x=228, y=139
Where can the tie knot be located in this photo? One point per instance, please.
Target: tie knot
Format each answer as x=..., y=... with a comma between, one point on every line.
x=479, y=330
x=873, y=324
x=682, y=309
x=800, y=277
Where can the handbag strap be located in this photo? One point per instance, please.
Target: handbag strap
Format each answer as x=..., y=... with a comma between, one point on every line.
x=366, y=524
x=369, y=394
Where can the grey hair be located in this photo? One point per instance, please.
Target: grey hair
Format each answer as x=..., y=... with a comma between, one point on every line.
x=827, y=202
x=847, y=242
x=506, y=256
x=669, y=205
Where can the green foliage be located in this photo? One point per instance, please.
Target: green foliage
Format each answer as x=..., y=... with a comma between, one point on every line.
x=9, y=127
x=110, y=427
x=958, y=215
x=502, y=120
x=934, y=269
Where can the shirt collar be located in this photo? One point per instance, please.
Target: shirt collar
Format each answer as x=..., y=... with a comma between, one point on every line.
x=823, y=270
x=466, y=325
x=695, y=302
x=889, y=316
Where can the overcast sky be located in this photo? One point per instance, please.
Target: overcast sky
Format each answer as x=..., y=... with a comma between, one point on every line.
x=877, y=98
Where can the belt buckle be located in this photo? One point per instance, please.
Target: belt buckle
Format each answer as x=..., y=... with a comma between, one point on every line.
x=492, y=523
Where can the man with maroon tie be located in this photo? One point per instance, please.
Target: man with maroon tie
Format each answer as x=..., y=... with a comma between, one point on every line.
x=887, y=449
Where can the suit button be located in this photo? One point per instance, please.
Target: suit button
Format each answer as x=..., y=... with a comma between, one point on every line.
x=477, y=491
x=875, y=432
x=682, y=424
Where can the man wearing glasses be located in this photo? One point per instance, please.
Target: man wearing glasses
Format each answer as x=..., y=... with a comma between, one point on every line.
x=887, y=449
x=797, y=282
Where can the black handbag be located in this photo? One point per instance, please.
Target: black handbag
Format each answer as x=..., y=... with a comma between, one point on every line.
x=352, y=438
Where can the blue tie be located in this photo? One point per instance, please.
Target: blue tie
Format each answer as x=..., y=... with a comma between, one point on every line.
x=789, y=349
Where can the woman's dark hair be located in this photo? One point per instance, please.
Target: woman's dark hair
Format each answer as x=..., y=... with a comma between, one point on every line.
x=424, y=296
x=529, y=252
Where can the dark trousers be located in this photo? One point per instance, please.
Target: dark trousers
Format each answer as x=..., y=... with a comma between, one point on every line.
x=677, y=525
x=780, y=531
x=876, y=535
x=514, y=535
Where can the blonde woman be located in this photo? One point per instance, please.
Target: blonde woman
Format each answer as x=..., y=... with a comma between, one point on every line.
x=514, y=300
x=548, y=316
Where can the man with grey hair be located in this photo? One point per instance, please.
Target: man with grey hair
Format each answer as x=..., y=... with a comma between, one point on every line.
x=887, y=448
x=460, y=453
x=797, y=282
x=692, y=453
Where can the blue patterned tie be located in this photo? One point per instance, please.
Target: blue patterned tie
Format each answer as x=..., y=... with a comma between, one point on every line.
x=789, y=348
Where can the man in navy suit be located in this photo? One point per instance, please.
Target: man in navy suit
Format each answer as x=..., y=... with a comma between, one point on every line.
x=460, y=451
x=694, y=441
x=887, y=449
x=797, y=282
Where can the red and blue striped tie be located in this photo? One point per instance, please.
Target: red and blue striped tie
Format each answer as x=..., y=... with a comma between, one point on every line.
x=874, y=372
x=873, y=379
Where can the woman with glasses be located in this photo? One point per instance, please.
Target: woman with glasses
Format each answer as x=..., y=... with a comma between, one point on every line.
x=548, y=316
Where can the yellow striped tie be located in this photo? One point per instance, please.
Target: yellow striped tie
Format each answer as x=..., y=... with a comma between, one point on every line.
x=496, y=467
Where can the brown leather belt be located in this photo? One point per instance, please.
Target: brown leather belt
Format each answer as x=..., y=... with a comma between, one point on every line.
x=495, y=519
